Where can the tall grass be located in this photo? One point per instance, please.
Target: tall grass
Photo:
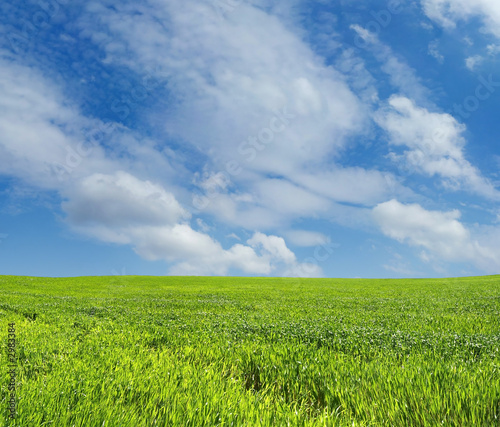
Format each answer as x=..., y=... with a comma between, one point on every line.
x=179, y=351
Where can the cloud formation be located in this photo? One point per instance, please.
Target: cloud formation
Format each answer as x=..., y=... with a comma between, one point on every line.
x=48, y=143
x=246, y=124
x=434, y=145
x=120, y=208
x=263, y=103
x=448, y=12
x=440, y=233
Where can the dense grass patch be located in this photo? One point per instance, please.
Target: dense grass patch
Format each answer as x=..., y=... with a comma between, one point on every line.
x=180, y=351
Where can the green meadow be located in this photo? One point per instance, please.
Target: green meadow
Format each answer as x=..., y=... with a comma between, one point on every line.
x=211, y=351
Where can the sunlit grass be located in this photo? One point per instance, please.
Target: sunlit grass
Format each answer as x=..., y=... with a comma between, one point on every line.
x=180, y=351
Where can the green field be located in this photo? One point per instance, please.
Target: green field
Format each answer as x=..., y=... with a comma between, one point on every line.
x=200, y=351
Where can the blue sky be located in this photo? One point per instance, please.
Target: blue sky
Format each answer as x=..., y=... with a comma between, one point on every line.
x=256, y=138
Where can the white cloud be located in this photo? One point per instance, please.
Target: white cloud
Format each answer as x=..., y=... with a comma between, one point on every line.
x=449, y=12
x=236, y=210
x=196, y=253
x=435, y=145
x=435, y=141
x=303, y=270
x=365, y=34
x=202, y=225
x=275, y=246
x=215, y=182
x=268, y=203
x=123, y=209
x=357, y=75
x=440, y=233
x=468, y=41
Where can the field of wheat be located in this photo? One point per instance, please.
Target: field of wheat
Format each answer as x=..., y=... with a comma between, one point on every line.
x=212, y=351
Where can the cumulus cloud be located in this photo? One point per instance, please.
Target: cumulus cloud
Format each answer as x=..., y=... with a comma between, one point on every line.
x=440, y=233
x=435, y=145
x=121, y=199
x=274, y=246
x=120, y=208
x=196, y=253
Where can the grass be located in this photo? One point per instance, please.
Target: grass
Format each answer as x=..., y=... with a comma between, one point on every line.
x=187, y=351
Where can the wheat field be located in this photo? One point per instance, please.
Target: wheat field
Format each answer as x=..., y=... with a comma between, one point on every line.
x=211, y=351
